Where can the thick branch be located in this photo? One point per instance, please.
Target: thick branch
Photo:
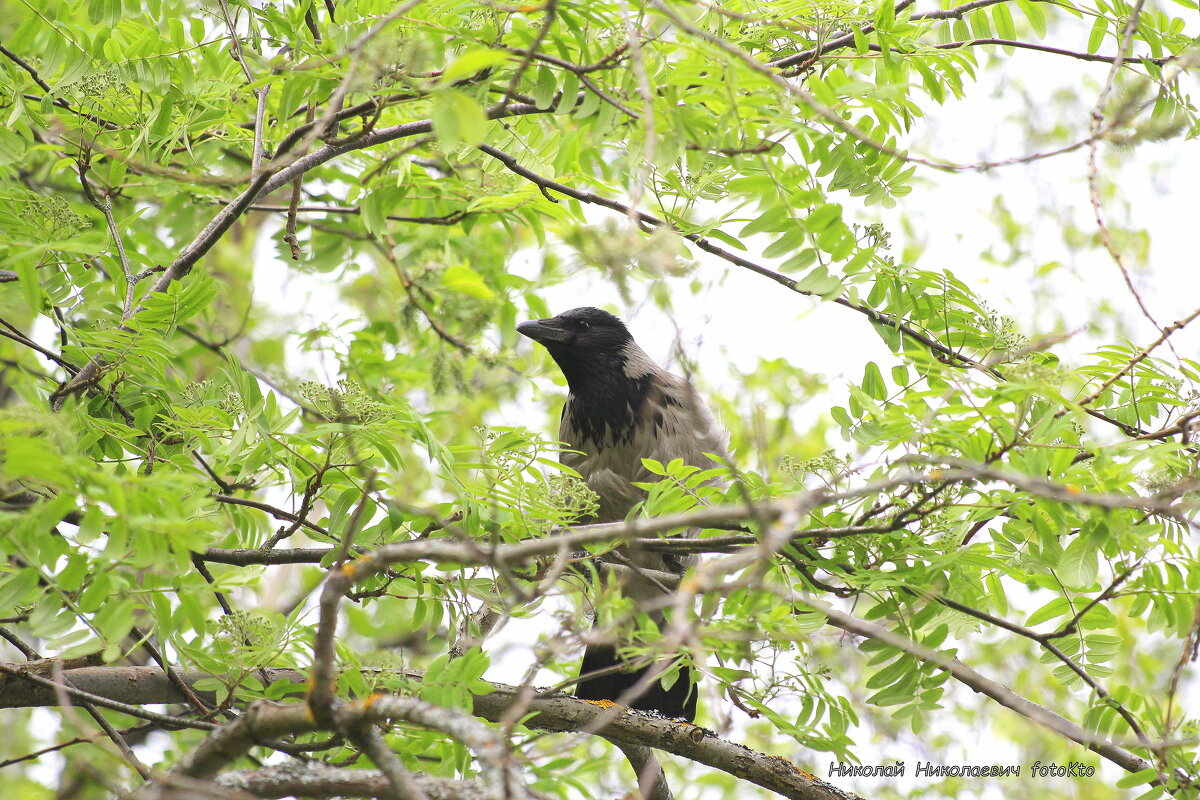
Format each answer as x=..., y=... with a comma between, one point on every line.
x=148, y=685
x=321, y=781
x=469, y=553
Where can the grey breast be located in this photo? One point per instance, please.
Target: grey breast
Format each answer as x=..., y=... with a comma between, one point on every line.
x=673, y=423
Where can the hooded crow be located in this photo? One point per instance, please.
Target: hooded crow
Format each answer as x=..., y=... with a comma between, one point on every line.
x=622, y=408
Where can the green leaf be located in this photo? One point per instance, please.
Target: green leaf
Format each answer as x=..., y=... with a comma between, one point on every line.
x=570, y=94
x=27, y=458
x=464, y=280
x=18, y=588
x=861, y=45
x=473, y=62
x=1080, y=563
x=823, y=216
x=1002, y=18
x=457, y=119
x=114, y=621
x=162, y=118
x=979, y=24
x=378, y=205
x=885, y=15
x=873, y=383
x=1136, y=778
x=1096, y=37
x=801, y=260
x=48, y=618
x=1057, y=607
x=28, y=280
x=725, y=238
x=819, y=281
x=1036, y=16
x=545, y=88
x=653, y=467
x=182, y=300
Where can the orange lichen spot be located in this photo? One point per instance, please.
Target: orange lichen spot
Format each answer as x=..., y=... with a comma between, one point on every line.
x=601, y=703
x=796, y=769
x=935, y=474
x=370, y=700
x=691, y=584
x=1073, y=489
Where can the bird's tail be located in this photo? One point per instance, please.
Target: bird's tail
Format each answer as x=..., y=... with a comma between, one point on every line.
x=679, y=701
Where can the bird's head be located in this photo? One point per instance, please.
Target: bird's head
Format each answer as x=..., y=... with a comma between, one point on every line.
x=588, y=343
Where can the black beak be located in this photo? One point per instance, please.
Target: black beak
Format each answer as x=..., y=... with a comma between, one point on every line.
x=544, y=331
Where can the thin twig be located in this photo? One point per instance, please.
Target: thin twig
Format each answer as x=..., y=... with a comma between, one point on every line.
x=1093, y=173
x=1133, y=362
x=260, y=122
x=847, y=40
x=1058, y=51
x=509, y=161
x=452, y=218
x=103, y=203
x=274, y=511
x=637, y=61
x=1045, y=641
x=974, y=680
x=550, y=10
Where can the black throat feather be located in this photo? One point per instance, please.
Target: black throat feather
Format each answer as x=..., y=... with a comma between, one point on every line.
x=604, y=404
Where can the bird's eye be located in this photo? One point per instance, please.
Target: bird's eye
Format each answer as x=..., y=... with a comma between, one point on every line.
x=583, y=325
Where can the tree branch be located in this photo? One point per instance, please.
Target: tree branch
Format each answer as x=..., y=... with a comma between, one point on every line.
x=324, y=781
x=149, y=685
x=996, y=691
x=1058, y=51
